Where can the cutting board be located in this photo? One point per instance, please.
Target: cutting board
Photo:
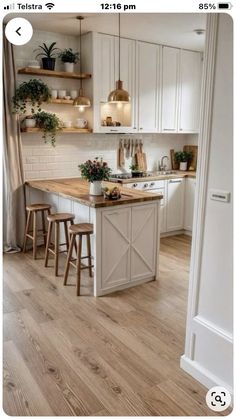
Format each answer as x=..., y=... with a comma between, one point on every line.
x=141, y=161
x=174, y=164
x=194, y=150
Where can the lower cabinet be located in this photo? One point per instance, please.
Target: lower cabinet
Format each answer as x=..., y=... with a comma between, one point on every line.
x=190, y=187
x=129, y=240
x=175, y=204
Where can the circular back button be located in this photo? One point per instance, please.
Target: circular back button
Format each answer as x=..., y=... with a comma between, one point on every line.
x=18, y=31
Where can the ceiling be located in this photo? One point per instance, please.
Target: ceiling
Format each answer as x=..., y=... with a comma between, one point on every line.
x=175, y=29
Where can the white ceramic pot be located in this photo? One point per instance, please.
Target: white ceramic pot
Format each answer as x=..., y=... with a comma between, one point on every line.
x=183, y=166
x=95, y=188
x=54, y=94
x=30, y=123
x=74, y=94
x=69, y=67
x=81, y=123
x=61, y=94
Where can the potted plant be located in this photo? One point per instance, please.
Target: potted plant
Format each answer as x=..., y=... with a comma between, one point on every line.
x=135, y=172
x=69, y=58
x=33, y=92
x=50, y=124
x=48, y=54
x=29, y=121
x=183, y=157
x=94, y=172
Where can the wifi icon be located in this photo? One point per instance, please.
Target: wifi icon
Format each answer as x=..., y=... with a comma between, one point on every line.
x=49, y=5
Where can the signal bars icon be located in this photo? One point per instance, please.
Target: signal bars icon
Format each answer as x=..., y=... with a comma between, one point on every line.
x=9, y=7
x=49, y=5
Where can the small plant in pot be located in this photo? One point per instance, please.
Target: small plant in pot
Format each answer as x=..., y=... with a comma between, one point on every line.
x=95, y=172
x=32, y=93
x=183, y=157
x=69, y=58
x=48, y=54
x=50, y=124
x=29, y=121
x=135, y=172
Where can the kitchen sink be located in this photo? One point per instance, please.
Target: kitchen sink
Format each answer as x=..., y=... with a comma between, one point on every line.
x=164, y=172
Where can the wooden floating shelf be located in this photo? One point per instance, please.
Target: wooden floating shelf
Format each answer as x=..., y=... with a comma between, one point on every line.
x=64, y=130
x=51, y=73
x=62, y=101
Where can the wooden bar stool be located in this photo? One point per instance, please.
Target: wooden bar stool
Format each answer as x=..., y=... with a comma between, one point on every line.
x=56, y=219
x=80, y=230
x=32, y=211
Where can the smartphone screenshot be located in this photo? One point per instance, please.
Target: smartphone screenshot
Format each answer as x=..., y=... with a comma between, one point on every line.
x=117, y=208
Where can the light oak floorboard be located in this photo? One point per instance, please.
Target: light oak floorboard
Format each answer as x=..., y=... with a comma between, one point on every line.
x=117, y=355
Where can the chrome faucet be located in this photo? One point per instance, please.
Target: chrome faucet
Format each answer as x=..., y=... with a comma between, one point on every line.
x=162, y=165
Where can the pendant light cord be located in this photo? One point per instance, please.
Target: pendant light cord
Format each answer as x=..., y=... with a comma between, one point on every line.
x=119, y=46
x=80, y=49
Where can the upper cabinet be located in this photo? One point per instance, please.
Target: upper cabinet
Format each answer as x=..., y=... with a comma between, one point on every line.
x=147, y=73
x=181, y=90
x=170, y=89
x=190, y=90
x=164, y=84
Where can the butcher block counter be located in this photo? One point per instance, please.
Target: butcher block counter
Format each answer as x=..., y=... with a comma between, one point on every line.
x=125, y=243
x=78, y=189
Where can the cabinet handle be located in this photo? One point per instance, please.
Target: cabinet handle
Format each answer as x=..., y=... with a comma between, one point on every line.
x=169, y=129
x=175, y=181
x=140, y=128
x=114, y=130
x=134, y=128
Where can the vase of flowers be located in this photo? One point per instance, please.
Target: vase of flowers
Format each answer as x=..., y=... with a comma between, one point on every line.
x=95, y=171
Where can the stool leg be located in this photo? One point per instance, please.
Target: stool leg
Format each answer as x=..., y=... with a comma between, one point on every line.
x=89, y=254
x=56, y=249
x=66, y=235
x=69, y=254
x=44, y=228
x=35, y=235
x=75, y=244
x=26, y=230
x=78, y=265
x=48, y=243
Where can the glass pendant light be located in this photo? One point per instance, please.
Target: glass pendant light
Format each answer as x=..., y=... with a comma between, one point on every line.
x=81, y=101
x=119, y=95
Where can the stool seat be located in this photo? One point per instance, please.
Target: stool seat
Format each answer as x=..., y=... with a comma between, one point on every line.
x=59, y=217
x=38, y=207
x=82, y=228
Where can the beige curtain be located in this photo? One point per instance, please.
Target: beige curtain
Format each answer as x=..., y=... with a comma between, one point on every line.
x=13, y=178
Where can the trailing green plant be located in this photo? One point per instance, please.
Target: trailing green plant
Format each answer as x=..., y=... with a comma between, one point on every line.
x=32, y=92
x=50, y=124
x=95, y=170
x=183, y=156
x=68, y=56
x=47, y=51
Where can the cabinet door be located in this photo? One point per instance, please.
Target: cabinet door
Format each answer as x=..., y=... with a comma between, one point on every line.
x=190, y=186
x=170, y=74
x=143, y=241
x=175, y=204
x=162, y=210
x=148, y=58
x=115, y=247
x=104, y=76
x=127, y=75
x=190, y=91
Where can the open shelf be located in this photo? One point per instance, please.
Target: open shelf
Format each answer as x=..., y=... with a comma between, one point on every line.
x=64, y=130
x=51, y=73
x=62, y=101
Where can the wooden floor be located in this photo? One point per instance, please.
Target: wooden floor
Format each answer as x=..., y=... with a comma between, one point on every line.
x=112, y=356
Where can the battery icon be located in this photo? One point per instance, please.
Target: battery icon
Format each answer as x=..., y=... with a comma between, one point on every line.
x=224, y=6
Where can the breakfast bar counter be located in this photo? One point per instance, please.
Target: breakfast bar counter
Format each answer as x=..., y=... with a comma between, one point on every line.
x=125, y=243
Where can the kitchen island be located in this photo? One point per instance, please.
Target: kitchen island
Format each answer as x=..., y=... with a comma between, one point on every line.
x=125, y=243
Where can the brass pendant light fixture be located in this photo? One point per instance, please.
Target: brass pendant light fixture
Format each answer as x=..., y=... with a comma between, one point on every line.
x=119, y=95
x=81, y=101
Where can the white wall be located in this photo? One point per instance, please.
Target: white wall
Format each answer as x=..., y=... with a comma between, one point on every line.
x=211, y=358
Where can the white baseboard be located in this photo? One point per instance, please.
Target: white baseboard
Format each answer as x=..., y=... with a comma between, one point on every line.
x=176, y=233
x=201, y=374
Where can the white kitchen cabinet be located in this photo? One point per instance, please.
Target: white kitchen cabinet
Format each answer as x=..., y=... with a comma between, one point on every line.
x=190, y=91
x=147, y=66
x=170, y=89
x=105, y=65
x=143, y=239
x=175, y=204
x=190, y=187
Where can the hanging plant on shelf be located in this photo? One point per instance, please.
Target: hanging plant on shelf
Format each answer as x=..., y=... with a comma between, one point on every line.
x=32, y=93
x=69, y=58
x=50, y=125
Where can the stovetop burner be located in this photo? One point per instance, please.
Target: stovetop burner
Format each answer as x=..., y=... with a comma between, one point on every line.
x=121, y=176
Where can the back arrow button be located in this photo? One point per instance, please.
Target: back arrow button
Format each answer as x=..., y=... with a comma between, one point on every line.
x=17, y=31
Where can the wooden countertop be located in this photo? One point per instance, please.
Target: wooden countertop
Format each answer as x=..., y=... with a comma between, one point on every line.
x=78, y=189
x=177, y=174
